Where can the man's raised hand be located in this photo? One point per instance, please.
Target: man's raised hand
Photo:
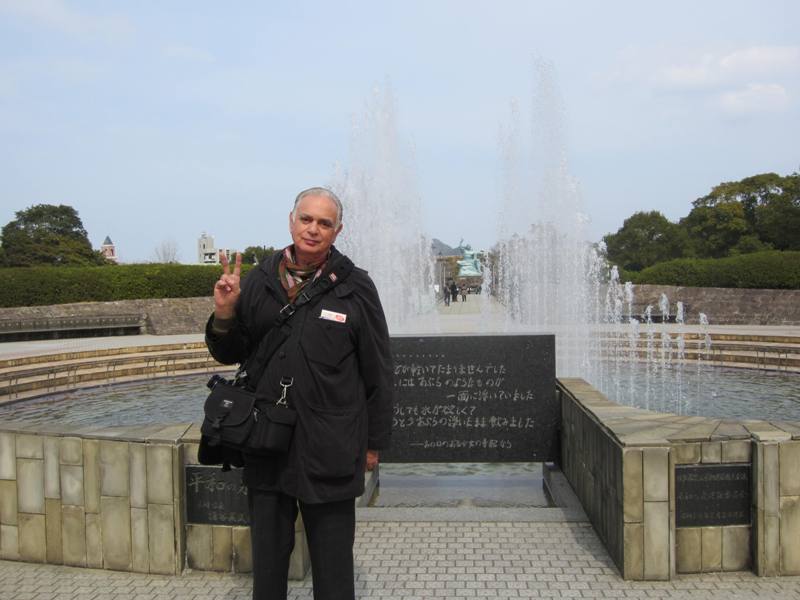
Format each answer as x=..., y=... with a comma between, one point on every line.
x=226, y=290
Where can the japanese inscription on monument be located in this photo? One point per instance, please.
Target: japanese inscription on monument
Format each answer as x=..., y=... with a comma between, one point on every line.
x=712, y=495
x=477, y=398
x=215, y=497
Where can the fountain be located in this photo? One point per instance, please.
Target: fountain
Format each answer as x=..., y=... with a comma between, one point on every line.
x=550, y=279
x=547, y=276
x=383, y=222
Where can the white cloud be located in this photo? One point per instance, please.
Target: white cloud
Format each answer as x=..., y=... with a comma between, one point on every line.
x=760, y=61
x=57, y=15
x=747, y=81
x=741, y=67
x=699, y=74
x=755, y=98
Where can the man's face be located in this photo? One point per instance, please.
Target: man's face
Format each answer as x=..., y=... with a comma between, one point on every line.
x=314, y=228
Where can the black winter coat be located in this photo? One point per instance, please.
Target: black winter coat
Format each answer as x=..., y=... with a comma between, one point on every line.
x=342, y=381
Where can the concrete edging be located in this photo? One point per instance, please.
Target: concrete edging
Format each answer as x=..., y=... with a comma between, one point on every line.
x=621, y=462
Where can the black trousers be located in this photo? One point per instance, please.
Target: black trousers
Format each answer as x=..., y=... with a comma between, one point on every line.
x=330, y=531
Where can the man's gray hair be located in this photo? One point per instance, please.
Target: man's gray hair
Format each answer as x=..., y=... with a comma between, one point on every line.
x=325, y=193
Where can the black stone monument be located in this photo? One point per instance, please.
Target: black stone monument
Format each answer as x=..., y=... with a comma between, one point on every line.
x=477, y=398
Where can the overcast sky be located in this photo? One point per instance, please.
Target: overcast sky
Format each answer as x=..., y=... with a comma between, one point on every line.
x=160, y=120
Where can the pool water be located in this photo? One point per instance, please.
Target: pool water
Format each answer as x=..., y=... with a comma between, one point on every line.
x=147, y=402
x=729, y=393
x=707, y=391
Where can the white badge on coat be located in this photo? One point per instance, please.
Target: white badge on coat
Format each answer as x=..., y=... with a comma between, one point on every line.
x=329, y=315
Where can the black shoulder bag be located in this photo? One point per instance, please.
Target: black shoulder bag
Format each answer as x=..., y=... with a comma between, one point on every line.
x=233, y=422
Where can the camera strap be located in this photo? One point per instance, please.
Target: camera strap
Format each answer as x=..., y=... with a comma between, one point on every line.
x=280, y=330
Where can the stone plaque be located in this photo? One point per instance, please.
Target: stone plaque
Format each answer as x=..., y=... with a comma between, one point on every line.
x=215, y=497
x=478, y=398
x=712, y=495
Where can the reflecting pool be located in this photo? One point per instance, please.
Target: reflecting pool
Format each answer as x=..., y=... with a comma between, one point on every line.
x=707, y=391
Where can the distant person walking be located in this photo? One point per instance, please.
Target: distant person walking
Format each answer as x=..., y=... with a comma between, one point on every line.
x=463, y=292
x=454, y=291
x=446, y=295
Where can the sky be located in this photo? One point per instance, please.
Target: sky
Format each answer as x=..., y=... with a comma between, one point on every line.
x=158, y=121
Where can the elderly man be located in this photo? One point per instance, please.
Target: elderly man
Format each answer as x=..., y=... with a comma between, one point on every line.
x=338, y=359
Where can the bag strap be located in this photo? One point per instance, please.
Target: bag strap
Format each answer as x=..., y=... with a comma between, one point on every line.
x=280, y=330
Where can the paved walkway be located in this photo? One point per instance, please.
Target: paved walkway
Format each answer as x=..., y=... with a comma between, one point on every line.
x=423, y=559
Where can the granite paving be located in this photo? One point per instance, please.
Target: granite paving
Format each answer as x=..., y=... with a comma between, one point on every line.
x=405, y=560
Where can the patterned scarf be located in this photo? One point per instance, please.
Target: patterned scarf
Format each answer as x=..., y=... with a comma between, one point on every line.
x=294, y=277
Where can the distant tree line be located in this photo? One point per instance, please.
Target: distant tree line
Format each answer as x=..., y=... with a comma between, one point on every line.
x=755, y=214
x=53, y=235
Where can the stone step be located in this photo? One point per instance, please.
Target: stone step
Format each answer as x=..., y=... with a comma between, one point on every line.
x=784, y=351
x=10, y=373
x=727, y=359
x=105, y=367
x=71, y=380
x=716, y=337
x=69, y=356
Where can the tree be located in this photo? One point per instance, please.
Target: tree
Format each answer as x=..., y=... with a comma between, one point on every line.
x=757, y=213
x=748, y=244
x=771, y=206
x=714, y=230
x=645, y=239
x=253, y=255
x=166, y=252
x=778, y=222
x=46, y=234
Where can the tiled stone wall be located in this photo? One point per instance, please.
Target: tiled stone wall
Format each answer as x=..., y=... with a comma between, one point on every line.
x=621, y=463
x=114, y=499
x=592, y=463
x=163, y=316
x=97, y=501
x=111, y=503
x=776, y=471
x=726, y=306
x=646, y=506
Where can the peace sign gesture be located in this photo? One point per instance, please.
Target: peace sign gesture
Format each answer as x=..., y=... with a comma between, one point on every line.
x=226, y=290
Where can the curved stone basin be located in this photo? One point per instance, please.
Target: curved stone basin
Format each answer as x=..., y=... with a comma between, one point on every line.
x=624, y=465
x=722, y=392
x=116, y=498
x=65, y=490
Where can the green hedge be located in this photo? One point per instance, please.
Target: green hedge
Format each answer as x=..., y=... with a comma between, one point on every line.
x=760, y=270
x=38, y=286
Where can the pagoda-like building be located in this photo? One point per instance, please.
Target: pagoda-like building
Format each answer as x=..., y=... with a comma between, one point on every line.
x=109, y=250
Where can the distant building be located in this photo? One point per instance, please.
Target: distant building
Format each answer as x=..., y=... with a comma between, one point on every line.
x=229, y=254
x=109, y=250
x=439, y=248
x=207, y=253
